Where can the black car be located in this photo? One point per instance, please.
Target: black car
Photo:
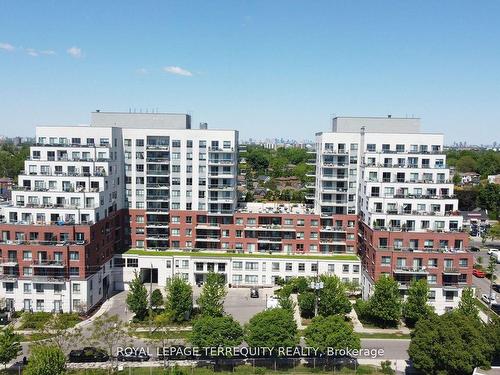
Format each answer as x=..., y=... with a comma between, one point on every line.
x=496, y=287
x=474, y=248
x=133, y=357
x=254, y=293
x=88, y=354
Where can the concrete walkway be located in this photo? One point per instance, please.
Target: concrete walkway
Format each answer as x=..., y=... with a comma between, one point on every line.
x=358, y=326
x=296, y=312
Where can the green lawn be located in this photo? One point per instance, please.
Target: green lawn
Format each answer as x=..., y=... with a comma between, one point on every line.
x=350, y=257
x=38, y=320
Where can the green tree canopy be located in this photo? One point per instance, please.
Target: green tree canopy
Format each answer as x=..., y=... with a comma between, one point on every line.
x=331, y=331
x=333, y=297
x=449, y=344
x=137, y=297
x=272, y=328
x=415, y=307
x=211, y=300
x=157, y=298
x=10, y=346
x=385, y=304
x=467, y=305
x=220, y=331
x=46, y=360
x=307, y=301
x=179, y=301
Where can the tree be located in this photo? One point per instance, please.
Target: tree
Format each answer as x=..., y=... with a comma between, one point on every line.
x=59, y=335
x=272, y=328
x=307, y=301
x=488, y=197
x=221, y=331
x=466, y=164
x=284, y=299
x=415, y=307
x=46, y=360
x=156, y=298
x=137, y=297
x=385, y=304
x=467, y=305
x=494, y=232
x=107, y=332
x=332, y=297
x=179, y=301
x=211, y=300
x=10, y=346
x=449, y=344
x=331, y=331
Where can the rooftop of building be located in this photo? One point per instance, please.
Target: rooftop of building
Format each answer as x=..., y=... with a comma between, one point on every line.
x=233, y=254
x=275, y=208
x=141, y=120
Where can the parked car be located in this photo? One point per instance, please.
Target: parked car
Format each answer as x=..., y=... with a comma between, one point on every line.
x=496, y=287
x=492, y=251
x=88, y=354
x=254, y=293
x=133, y=357
x=474, y=248
x=478, y=273
x=487, y=300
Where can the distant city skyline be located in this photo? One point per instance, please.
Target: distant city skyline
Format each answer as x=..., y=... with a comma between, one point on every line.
x=263, y=68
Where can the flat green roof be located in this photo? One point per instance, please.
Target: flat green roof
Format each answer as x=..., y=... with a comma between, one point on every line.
x=350, y=257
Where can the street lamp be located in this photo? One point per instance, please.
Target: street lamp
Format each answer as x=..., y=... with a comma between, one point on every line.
x=317, y=286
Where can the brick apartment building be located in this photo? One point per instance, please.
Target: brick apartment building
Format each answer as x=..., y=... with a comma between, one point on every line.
x=150, y=182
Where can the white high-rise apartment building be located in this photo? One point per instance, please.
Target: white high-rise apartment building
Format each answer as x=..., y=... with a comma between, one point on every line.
x=388, y=172
x=71, y=207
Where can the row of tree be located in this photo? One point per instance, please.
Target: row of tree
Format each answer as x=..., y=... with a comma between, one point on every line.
x=12, y=159
x=484, y=162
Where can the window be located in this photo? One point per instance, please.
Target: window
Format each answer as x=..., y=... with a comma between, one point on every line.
x=139, y=142
x=355, y=268
x=386, y=260
x=331, y=268
x=463, y=262
x=27, y=288
x=132, y=262
x=314, y=267
x=76, y=288
x=345, y=268
x=251, y=266
x=370, y=147
x=432, y=279
x=288, y=266
x=237, y=265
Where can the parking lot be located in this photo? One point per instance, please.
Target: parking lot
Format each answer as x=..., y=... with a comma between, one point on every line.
x=239, y=304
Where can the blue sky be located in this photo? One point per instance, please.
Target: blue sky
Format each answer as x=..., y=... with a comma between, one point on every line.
x=266, y=68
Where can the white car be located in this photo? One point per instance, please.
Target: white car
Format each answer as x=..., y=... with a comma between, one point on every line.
x=491, y=298
x=492, y=251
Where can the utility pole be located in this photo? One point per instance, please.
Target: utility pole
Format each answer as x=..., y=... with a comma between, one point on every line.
x=150, y=296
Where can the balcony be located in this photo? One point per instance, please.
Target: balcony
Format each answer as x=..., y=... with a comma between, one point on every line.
x=47, y=263
x=278, y=228
x=411, y=270
x=208, y=226
x=79, y=145
x=158, y=147
x=207, y=238
x=43, y=243
x=220, y=187
x=9, y=262
x=451, y=271
x=10, y=277
x=269, y=239
x=48, y=280
x=221, y=161
x=332, y=229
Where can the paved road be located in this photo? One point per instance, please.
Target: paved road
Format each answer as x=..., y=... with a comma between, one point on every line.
x=482, y=283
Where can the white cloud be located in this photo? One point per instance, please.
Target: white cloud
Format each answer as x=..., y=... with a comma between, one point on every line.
x=7, y=47
x=142, y=71
x=177, y=70
x=75, y=52
x=48, y=52
x=31, y=52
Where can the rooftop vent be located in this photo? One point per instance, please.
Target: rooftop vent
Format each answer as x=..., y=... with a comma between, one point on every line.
x=203, y=125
